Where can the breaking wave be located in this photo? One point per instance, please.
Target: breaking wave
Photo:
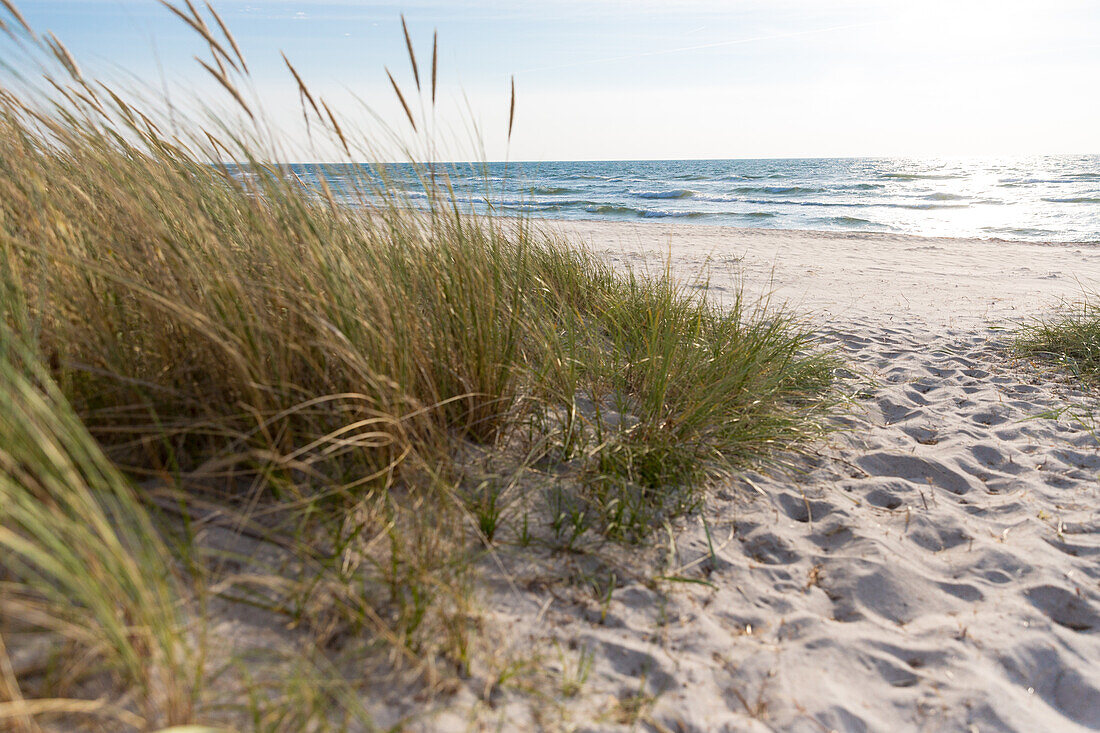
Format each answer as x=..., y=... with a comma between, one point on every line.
x=1075, y=200
x=678, y=193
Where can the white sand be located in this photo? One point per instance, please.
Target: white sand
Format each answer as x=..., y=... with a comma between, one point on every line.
x=934, y=567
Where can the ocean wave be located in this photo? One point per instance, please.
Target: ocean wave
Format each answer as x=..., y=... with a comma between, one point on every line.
x=856, y=204
x=522, y=207
x=1013, y=182
x=750, y=176
x=919, y=176
x=689, y=177
x=1075, y=200
x=848, y=221
x=612, y=209
x=779, y=190
x=860, y=187
x=759, y=215
x=784, y=202
x=527, y=201
x=677, y=193
x=659, y=214
x=550, y=190
x=944, y=197
x=1020, y=231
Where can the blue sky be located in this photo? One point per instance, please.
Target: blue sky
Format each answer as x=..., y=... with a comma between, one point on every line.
x=604, y=79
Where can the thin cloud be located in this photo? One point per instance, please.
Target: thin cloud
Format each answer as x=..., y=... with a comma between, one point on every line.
x=699, y=47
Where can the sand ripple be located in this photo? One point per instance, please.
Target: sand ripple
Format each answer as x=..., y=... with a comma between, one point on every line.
x=935, y=567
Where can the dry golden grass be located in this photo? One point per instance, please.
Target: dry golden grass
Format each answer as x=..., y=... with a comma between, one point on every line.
x=246, y=347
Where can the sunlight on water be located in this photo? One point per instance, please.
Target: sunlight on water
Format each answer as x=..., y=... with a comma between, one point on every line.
x=1048, y=198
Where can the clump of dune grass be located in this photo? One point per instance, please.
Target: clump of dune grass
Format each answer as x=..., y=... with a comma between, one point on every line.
x=83, y=562
x=1070, y=339
x=679, y=389
x=210, y=341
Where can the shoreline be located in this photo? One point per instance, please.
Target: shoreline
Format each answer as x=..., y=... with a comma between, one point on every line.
x=857, y=277
x=678, y=222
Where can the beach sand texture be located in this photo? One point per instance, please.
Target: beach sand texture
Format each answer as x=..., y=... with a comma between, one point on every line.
x=935, y=565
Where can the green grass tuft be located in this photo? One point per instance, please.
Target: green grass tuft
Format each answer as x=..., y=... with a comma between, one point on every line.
x=1071, y=339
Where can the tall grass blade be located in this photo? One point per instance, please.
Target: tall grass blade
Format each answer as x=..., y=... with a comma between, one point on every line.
x=435, y=62
x=14, y=12
x=229, y=37
x=412, y=54
x=512, y=109
x=401, y=98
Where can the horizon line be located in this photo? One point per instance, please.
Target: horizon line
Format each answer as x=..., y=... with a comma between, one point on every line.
x=681, y=160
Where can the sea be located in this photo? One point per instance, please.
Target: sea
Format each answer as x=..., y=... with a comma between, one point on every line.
x=1038, y=198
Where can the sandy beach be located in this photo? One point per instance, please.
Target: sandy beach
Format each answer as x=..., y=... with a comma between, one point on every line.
x=932, y=565
x=675, y=367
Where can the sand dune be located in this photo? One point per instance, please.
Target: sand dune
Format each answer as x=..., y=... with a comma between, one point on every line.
x=934, y=565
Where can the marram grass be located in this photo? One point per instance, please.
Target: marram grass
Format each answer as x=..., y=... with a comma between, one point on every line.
x=82, y=560
x=1070, y=338
x=204, y=345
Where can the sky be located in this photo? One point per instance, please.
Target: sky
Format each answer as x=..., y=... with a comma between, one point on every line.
x=639, y=79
